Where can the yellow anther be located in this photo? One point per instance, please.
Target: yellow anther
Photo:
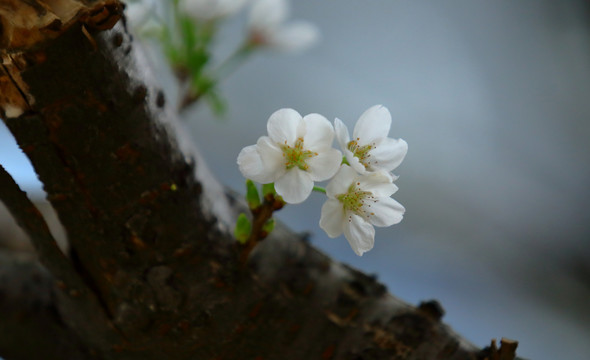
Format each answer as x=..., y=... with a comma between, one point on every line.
x=296, y=155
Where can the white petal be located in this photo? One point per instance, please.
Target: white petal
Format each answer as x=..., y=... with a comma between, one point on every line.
x=205, y=10
x=332, y=218
x=386, y=212
x=360, y=234
x=295, y=186
x=374, y=123
x=341, y=181
x=355, y=162
x=282, y=126
x=378, y=183
x=272, y=158
x=267, y=15
x=388, y=154
x=138, y=13
x=250, y=163
x=324, y=165
x=319, y=133
x=229, y=7
x=341, y=133
x=301, y=130
x=393, y=177
x=294, y=37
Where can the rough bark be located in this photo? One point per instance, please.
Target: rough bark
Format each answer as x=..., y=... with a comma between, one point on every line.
x=31, y=327
x=153, y=272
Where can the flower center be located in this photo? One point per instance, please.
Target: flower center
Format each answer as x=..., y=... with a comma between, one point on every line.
x=296, y=155
x=354, y=200
x=361, y=152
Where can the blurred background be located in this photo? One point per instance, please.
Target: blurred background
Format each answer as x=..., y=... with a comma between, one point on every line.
x=493, y=98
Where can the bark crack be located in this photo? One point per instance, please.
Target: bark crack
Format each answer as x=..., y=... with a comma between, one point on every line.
x=14, y=99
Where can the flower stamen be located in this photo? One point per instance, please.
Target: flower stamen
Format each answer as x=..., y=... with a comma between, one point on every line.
x=354, y=201
x=297, y=155
x=361, y=152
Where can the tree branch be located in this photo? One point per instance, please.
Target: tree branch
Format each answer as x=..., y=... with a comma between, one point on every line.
x=74, y=292
x=31, y=326
x=31, y=221
x=150, y=229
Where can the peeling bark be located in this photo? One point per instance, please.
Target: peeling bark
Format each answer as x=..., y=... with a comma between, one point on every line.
x=149, y=229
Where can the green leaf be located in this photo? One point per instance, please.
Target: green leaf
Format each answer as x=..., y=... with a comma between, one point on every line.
x=196, y=61
x=243, y=229
x=203, y=84
x=252, y=196
x=188, y=32
x=217, y=103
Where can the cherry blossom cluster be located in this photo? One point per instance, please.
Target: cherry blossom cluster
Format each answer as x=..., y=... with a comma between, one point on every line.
x=267, y=25
x=298, y=152
x=188, y=31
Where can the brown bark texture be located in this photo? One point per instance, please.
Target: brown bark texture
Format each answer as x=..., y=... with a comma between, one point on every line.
x=152, y=270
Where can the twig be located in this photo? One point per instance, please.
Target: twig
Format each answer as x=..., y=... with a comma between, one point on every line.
x=261, y=215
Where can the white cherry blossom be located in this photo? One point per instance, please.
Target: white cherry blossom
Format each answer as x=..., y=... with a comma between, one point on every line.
x=143, y=16
x=267, y=27
x=355, y=203
x=370, y=149
x=297, y=151
x=208, y=10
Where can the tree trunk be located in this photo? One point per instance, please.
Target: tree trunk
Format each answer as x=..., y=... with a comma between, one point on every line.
x=153, y=271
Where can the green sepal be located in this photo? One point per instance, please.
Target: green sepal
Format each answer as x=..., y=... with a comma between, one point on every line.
x=243, y=229
x=252, y=196
x=345, y=161
x=268, y=189
x=268, y=227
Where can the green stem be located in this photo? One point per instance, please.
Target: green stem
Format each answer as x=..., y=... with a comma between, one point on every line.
x=261, y=215
x=225, y=69
x=319, y=189
x=229, y=65
x=344, y=161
